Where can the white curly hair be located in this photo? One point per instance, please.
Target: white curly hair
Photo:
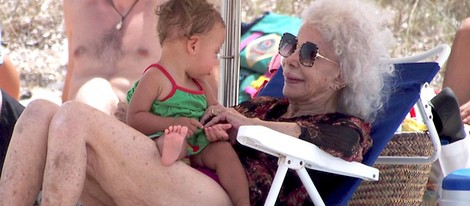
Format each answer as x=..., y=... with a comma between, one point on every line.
x=361, y=40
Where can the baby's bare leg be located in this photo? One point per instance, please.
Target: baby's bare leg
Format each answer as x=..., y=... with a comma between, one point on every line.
x=221, y=157
x=172, y=144
x=122, y=164
x=24, y=164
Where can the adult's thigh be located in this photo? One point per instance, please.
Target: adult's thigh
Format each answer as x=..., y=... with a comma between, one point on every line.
x=126, y=164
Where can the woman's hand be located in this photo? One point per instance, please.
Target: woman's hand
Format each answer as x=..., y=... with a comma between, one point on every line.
x=210, y=112
x=465, y=112
x=221, y=114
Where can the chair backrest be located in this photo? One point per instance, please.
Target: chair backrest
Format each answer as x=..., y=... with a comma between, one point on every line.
x=409, y=77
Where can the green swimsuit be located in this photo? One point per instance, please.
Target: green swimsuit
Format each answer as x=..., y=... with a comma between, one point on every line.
x=181, y=102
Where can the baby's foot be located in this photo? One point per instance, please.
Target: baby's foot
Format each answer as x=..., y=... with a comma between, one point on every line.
x=173, y=143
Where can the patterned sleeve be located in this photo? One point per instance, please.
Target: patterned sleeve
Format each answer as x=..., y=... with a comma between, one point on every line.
x=340, y=135
x=256, y=108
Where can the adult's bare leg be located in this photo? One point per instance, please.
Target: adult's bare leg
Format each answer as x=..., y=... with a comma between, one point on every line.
x=122, y=165
x=24, y=165
x=458, y=65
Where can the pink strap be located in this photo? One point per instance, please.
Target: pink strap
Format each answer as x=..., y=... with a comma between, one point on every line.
x=274, y=65
x=250, y=38
x=163, y=70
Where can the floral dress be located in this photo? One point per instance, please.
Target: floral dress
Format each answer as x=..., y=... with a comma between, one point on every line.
x=341, y=135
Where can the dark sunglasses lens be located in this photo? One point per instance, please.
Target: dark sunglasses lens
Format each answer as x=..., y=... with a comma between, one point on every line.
x=308, y=54
x=287, y=45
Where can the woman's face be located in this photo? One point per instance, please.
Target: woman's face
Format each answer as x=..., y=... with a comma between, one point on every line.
x=303, y=83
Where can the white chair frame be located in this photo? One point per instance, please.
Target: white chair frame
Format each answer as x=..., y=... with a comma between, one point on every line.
x=298, y=155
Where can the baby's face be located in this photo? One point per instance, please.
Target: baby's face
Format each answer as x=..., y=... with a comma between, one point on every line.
x=211, y=43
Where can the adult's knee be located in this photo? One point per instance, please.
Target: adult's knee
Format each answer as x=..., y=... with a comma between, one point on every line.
x=71, y=115
x=36, y=116
x=75, y=116
x=39, y=109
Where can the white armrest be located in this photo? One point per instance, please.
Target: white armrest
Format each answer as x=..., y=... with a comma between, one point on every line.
x=278, y=144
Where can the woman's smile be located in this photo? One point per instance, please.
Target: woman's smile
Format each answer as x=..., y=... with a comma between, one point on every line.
x=290, y=79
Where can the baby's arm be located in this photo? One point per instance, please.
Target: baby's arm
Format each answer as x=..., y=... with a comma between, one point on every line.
x=211, y=95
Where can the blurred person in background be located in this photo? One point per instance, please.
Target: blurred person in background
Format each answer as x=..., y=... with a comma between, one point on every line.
x=109, y=43
x=10, y=108
x=457, y=74
x=9, y=78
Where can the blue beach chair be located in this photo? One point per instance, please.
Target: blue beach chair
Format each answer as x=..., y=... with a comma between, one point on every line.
x=410, y=87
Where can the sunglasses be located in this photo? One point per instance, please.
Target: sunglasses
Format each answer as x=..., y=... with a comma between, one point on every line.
x=308, y=51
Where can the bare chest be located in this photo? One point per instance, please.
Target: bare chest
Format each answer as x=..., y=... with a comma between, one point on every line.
x=95, y=37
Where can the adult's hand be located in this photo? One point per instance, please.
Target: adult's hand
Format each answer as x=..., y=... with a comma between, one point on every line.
x=465, y=112
x=210, y=112
x=225, y=115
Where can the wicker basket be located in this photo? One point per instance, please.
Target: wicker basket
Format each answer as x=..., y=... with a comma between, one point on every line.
x=398, y=184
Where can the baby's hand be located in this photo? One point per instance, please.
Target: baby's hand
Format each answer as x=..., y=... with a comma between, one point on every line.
x=217, y=132
x=190, y=123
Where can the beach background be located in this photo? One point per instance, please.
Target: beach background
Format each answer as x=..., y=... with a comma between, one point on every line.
x=33, y=34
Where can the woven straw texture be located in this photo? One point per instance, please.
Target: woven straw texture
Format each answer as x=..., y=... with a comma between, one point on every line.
x=398, y=184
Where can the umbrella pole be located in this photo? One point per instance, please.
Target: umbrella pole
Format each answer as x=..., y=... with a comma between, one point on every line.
x=230, y=54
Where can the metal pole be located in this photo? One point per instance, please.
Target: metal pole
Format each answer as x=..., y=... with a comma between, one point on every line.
x=230, y=54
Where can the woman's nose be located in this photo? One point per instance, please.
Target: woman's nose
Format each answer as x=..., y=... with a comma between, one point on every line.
x=292, y=61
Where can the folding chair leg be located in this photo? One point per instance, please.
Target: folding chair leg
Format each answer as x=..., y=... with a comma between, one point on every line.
x=277, y=182
x=310, y=187
x=284, y=163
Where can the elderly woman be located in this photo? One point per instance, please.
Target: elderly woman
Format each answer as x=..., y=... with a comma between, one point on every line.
x=334, y=76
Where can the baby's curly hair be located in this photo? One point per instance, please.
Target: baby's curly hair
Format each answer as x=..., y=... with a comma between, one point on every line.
x=184, y=18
